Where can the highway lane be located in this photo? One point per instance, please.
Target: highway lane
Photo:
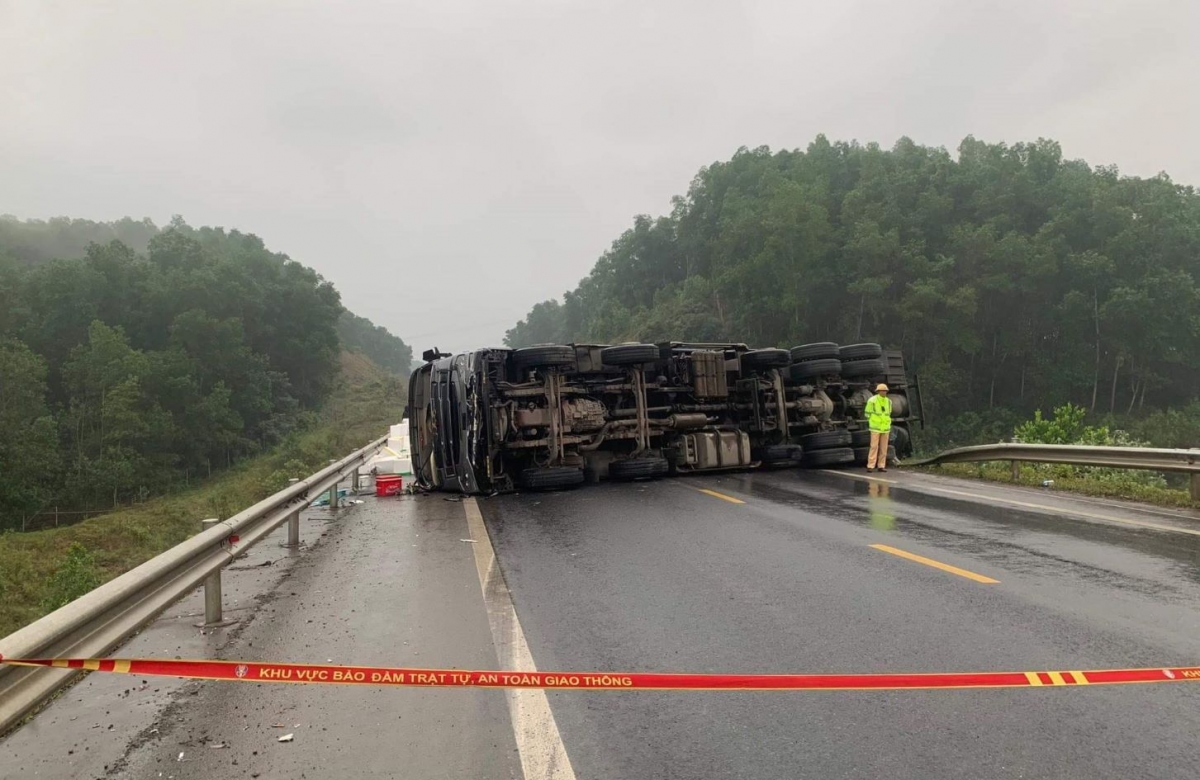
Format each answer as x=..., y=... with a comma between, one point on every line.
x=788, y=571
x=662, y=576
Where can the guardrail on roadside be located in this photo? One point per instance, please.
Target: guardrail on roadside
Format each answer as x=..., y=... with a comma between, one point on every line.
x=98, y=621
x=1145, y=458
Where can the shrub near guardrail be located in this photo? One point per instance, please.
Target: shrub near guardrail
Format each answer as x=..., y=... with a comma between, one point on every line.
x=1065, y=478
x=76, y=575
x=1068, y=426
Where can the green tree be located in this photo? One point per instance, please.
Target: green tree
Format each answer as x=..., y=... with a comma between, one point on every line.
x=28, y=449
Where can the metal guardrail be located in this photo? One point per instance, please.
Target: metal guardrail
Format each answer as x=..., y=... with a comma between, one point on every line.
x=98, y=621
x=1145, y=458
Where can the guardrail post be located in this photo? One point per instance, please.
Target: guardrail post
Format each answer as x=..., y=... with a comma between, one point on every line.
x=1016, y=471
x=293, y=523
x=212, y=587
x=1196, y=487
x=333, y=493
x=356, y=482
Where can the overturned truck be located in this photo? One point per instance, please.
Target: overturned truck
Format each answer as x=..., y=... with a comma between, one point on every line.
x=557, y=415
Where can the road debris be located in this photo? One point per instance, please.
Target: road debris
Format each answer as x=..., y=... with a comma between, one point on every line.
x=284, y=738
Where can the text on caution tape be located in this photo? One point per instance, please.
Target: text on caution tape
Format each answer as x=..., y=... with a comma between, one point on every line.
x=239, y=671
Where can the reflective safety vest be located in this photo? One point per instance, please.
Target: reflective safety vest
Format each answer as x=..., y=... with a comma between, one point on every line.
x=879, y=413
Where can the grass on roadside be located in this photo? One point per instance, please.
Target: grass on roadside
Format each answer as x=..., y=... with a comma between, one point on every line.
x=1072, y=479
x=41, y=570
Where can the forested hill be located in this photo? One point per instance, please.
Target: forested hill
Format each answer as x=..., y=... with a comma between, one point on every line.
x=359, y=334
x=37, y=241
x=123, y=373
x=34, y=242
x=1010, y=275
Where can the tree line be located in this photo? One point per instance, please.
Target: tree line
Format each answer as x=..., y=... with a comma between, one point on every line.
x=124, y=374
x=1011, y=277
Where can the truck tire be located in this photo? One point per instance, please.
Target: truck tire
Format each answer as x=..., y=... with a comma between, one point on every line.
x=825, y=440
x=863, y=369
x=544, y=356
x=818, y=351
x=860, y=438
x=811, y=369
x=638, y=468
x=820, y=459
x=771, y=454
x=757, y=359
x=860, y=352
x=551, y=477
x=899, y=406
x=629, y=354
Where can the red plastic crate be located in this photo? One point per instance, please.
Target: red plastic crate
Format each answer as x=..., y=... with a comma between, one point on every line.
x=388, y=485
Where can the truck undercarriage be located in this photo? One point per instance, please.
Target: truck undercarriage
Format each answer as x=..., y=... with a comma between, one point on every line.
x=558, y=415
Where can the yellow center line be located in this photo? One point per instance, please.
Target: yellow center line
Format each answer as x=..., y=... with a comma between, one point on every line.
x=936, y=564
x=721, y=496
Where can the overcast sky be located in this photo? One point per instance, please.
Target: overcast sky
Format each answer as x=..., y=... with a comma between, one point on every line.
x=449, y=163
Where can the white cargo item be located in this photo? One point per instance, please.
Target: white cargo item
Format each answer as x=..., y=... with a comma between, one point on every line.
x=396, y=455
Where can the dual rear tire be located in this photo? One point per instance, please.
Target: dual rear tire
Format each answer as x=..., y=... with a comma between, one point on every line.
x=826, y=449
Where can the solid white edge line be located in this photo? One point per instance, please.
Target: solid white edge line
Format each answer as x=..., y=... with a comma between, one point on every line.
x=543, y=755
x=919, y=487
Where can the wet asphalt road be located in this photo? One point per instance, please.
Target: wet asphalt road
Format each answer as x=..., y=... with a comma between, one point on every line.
x=663, y=577
x=388, y=583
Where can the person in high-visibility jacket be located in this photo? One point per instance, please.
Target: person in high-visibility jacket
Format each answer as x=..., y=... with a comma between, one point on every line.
x=879, y=419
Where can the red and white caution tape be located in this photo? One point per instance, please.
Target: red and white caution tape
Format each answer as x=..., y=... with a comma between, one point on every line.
x=239, y=671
